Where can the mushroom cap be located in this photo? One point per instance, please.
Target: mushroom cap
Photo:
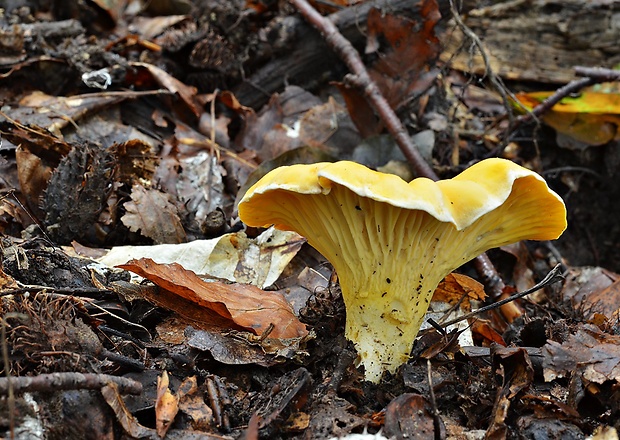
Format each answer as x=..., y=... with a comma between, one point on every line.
x=461, y=200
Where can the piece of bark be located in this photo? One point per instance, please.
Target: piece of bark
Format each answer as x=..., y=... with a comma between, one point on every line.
x=77, y=194
x=538, y=40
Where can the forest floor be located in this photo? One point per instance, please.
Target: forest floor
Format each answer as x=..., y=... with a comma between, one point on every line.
x=130, y=125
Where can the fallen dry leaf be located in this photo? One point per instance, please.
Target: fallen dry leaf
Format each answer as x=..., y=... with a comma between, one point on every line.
x=240, y=305
x=605, y=433
x=170, y=83
x=191, y=402
x=233, y=257
x=483, y=329
x=515, y=367
x=589, y=117
x=589, y=352
x=7, y=282
x=152, y=213
x=592, y=290
x=258, y=261
x=451, y=300
x=150, y=27
x=34, y=173
x=411, y=416
x=129, y=423
x=457, y=288
x=200, y=187
x=166, y=406
x=54, y=113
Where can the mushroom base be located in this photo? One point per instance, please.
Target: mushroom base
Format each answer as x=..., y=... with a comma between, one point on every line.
x=384, y=329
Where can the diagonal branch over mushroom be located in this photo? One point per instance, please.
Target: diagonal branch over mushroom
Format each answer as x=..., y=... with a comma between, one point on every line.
x=392, y=242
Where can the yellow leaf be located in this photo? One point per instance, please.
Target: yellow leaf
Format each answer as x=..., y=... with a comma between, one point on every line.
x=592, y=117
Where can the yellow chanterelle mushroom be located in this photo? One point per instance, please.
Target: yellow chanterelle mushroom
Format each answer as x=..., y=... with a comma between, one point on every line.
x=392, y=242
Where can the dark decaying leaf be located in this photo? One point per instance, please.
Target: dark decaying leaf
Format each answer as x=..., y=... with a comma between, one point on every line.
x=532, y=426
x=135, y=161
x=238, y=305
x=549, y=418
x=153, y=214
x=38, y=140
x=200, y=187
x=607, y=301
x=588, y=353
x=517, y=373
x=192, y=403
x=289, y=391
x=228, y=349
x=240, y=348
x=411, y=416
x=591, y=291
x=522, y=273
x=401, y=69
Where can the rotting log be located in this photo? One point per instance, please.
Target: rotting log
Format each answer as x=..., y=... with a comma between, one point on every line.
x=538, y=40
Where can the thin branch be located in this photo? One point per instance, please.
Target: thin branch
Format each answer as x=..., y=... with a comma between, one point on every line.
x=553, y=276
x=491, y=279
x=431, y=391
x=67, y=381
x=599, y=74
x=360, y=77
x=488, y=71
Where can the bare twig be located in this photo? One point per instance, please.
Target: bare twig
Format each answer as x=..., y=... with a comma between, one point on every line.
x=599, y=74
x=218, y=400
x=68, y=381
x=345, y=360
x=488, y=71
x=125, y=361
x=570, y=169
x=554, y=275
x=431, y=392
x=361, y=78
x=491, y=279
